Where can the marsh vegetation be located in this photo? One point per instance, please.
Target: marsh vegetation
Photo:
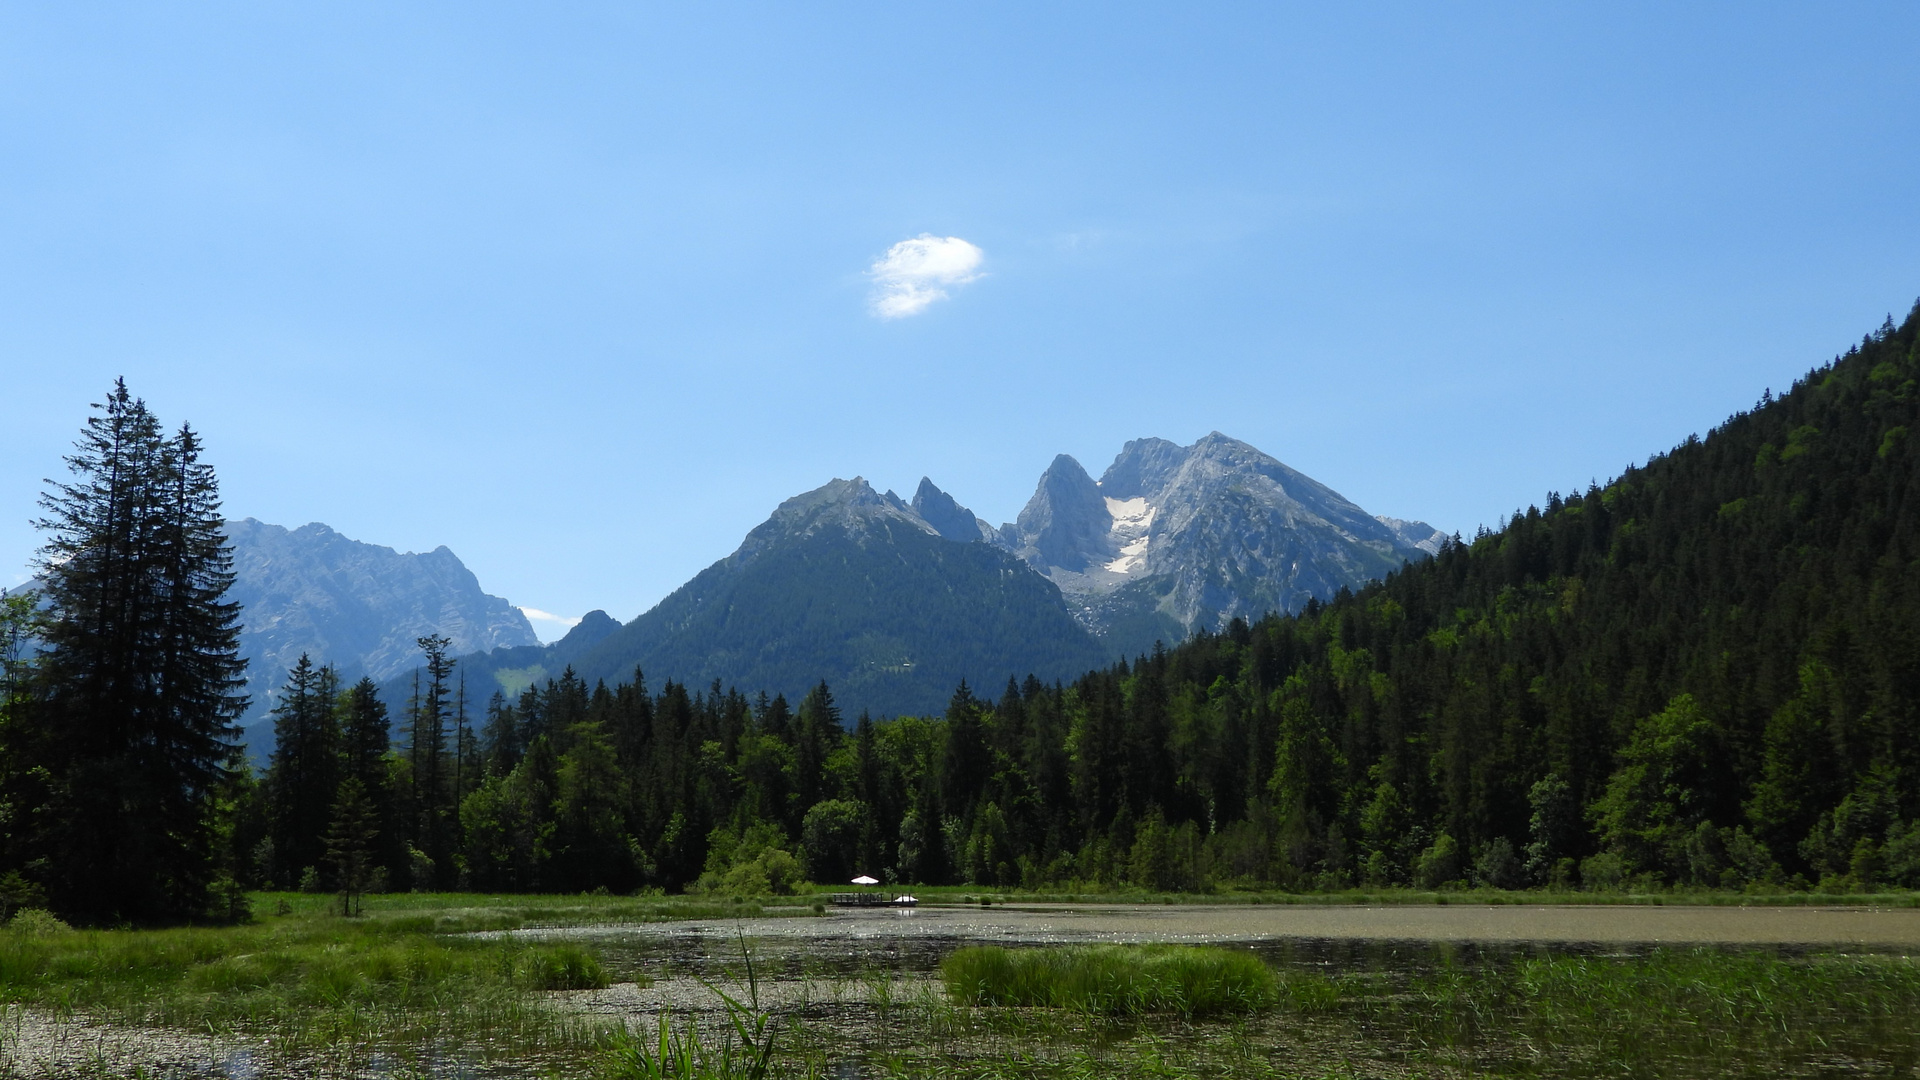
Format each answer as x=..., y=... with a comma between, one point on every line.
x=418, y=979
x=626, y=988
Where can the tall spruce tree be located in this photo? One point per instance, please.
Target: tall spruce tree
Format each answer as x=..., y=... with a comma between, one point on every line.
x=366, y=743
x=141, y=669
x=365, y=736
x=350, y=844
x=500, y=737
x=304, y=775
x=433, y=798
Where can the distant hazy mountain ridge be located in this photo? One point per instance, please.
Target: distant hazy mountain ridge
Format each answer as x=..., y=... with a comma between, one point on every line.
x=354, y=605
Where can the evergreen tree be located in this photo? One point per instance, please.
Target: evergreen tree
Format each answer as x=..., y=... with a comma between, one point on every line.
x=366, y=755
x=365, y=736
x=350, y=844
x=141, y=669
x=303, y=776
x=500, y=748
x=433, y=796
x=817, y=734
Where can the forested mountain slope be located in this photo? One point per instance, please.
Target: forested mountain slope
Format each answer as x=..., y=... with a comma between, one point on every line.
x=1704, y=673
x=852, y=586
x=844, y=584
x=1713, y=655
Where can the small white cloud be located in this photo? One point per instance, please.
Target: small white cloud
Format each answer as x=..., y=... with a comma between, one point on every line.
x=537, y=615
x=914, y=273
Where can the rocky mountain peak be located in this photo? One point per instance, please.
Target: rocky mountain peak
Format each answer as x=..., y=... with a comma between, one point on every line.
x=848, y=505
x=1175, y=539
x=1066, y=522
x=1144, y=466
x=948, y=518
x=354, y=605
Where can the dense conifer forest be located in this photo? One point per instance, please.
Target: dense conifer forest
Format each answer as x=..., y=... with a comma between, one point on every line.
x=1703, y=674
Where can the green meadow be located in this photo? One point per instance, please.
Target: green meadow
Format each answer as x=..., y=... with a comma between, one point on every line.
x=439, y=985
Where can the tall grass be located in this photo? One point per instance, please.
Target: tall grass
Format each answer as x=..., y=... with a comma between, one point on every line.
x=744, y=1053
x=1116, y=980
x=1685, y=1012
x=391, y=983
x=1702, y=1010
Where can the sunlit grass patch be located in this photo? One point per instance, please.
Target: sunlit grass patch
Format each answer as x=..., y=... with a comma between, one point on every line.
x=405, y=980
x=1113, y=979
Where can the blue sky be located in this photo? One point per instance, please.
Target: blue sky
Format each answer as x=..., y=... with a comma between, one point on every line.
x=584, y=293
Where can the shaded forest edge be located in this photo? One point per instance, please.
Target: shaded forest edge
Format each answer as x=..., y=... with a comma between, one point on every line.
x=1702, y=674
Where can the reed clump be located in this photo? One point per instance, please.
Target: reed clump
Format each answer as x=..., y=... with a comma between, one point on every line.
x=1113, y=980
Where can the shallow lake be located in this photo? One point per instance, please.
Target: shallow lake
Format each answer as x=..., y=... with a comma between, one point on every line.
x=847, y=975
x=851, y=942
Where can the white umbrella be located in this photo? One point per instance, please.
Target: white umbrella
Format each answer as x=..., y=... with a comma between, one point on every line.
x=865, y=880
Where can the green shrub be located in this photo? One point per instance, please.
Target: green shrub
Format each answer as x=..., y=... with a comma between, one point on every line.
x=1113, y=979
x=1438, y=865
x=37, y=922
x=564, y=967
x=1603, y=872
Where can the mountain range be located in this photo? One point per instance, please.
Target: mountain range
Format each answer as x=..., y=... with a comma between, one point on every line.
x=844, y=584
x=893, y=603
x=357, y=606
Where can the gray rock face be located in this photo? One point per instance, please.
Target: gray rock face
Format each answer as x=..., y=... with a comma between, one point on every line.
x=354, y=605
x=1176, y=539
x=1416, y=534
x=948, y=518
x=1066, y=525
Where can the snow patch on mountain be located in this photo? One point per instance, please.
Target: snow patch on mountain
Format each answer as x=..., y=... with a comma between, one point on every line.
x=1174, y=539
x=1132, y=522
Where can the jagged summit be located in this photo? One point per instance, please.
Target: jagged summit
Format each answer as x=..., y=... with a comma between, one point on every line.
x=947, y=517
x=1064, y=524
x=854, y=507
x=357, y=606
x=846, y=503
x=894, y=602
x=1174, y=539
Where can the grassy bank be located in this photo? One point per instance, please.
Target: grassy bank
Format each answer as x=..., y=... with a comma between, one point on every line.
x=407, y=980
